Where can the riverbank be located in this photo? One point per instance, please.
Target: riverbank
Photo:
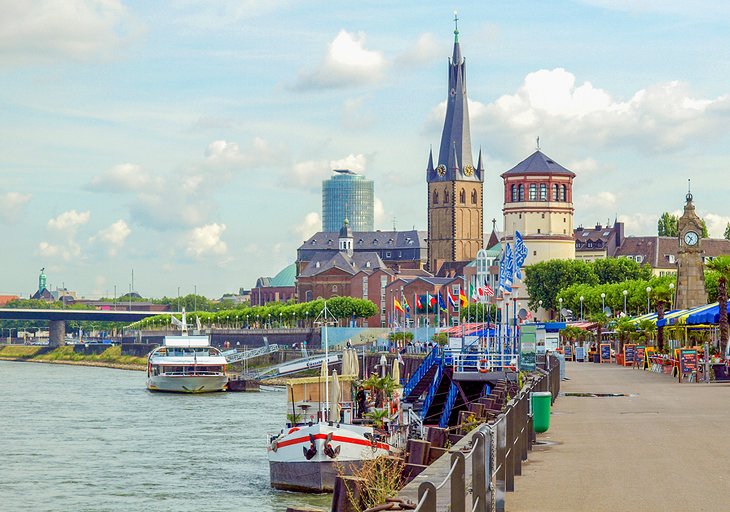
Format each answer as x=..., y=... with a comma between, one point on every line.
x=110, y=358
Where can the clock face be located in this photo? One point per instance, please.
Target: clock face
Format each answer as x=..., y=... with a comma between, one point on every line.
x=468, y=170
x=441, y=170
x=691, y=238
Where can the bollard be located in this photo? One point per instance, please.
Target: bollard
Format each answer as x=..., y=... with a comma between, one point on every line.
x=346, y=496
x=501, y=463
x=479, y=473
x=458, y=483
x=428, y=490
x=510, y=435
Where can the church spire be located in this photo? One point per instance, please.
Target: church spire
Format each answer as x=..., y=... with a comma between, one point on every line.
x=455, y=149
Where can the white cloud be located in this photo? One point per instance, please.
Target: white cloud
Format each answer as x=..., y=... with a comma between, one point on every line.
x=640, y=224
x=425, y=50
x=66, y=252
x=716, y=224
x=113, y=237
x=347, y=64
x=11, y=206
x=660, y=118
x=45, y=30
x=69, y=221
x=378, y=211
x=124, y=178
x=311, y=223
x=206, y=241
x=310, y=173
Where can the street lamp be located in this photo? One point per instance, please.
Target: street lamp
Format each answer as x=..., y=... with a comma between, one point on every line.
x=269, y=320
x=603, y=301
x=671, y=291
x=280, y=315
x=581, y=308
x=560, y=312
x=625, y=292
x=648, y=294
x=247, y=322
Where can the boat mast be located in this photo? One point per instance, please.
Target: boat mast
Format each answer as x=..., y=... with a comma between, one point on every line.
x=326, y=362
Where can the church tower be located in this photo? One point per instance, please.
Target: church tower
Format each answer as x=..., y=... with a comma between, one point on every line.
x=690, y=268
x=455, y=186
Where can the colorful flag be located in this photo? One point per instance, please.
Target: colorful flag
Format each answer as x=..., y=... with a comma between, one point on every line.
x=442, y=303
x=520, y=254
x=431, y=300
x=419, y=304
x=462, y=298
x=488, y=291
x=398, y=306
x=505, y=270
x=473, y=293
x=406, y=305
x=452, y=299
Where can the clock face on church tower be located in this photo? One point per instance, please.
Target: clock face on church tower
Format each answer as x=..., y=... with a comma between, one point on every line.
x=691, y=238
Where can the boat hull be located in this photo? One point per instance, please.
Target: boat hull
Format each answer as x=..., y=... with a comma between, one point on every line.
x=308, y=458
x=309, y=476
x=188, y=384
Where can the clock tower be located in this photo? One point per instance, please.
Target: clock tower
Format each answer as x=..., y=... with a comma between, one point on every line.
x=690, y=267
x=455, y=185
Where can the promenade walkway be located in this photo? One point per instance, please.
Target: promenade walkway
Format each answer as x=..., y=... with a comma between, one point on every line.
x=667, y=448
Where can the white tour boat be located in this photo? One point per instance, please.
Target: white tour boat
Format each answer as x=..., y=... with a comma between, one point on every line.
x=186, y=364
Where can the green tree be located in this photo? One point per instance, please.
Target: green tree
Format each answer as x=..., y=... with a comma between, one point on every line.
x=662, y=297
x=721, y=265
x=727, y=232
x=544, y=280
x=615, y=270
x=668, y=225
x=705, y=232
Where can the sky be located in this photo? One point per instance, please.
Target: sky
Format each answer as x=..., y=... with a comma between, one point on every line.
x=186, y=140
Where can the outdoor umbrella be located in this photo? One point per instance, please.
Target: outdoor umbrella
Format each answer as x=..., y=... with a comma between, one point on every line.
x=396, y=371
x=383, y=365
x=334, y=397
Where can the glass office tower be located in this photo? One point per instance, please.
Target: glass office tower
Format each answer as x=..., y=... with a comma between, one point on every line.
x=347, y=194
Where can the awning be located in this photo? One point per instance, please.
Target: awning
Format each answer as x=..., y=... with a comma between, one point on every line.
x=710, y=315
x=583, y=325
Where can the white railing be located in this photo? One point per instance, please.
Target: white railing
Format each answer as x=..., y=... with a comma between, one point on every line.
x=484, y=362
x=233, y=356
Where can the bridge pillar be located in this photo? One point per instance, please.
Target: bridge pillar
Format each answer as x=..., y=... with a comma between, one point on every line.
x=57, y=333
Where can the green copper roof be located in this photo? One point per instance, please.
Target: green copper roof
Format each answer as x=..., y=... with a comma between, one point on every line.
x=286, y=277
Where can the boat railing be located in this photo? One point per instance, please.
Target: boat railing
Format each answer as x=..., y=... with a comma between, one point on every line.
x=197, y=373
x=483, y=361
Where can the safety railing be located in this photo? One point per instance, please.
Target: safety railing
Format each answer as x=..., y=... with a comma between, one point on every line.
x=450, y=400
x=431, y=394
x=483, y=361
x=423, y=368
x=497, y=452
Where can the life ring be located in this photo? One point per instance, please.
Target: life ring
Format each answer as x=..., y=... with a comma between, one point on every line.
x=292, y=430
x=483, y=365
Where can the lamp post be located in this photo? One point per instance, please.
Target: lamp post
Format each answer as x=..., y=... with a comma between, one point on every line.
x=625, y=292
x=269, y=320
x=247, y=326
x=258, y=326
x=306, y=318
x=603, y=301
x=280, y=316
x=648, y=295
x=671, y=291
x=560, y=311
x=581, y=308
x=539, y=307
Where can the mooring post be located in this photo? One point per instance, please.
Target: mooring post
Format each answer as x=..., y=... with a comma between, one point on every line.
x=429, y=490
x=479, y=473
x=458, y=483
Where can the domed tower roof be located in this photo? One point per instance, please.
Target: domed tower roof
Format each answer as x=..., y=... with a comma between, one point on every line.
x=538, y=163
x=345, y=230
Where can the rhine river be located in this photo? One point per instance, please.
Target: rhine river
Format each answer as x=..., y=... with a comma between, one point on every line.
x=94, y=439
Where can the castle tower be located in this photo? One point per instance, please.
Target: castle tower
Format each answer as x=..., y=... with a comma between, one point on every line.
x=455, y=187
x=690, y=268
x=538, y=202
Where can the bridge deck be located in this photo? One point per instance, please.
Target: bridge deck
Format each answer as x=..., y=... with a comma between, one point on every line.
x=665, y=449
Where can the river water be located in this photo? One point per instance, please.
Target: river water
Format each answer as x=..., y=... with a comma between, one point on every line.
x=94, y=439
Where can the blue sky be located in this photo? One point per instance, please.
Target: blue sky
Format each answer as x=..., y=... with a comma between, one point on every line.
x=187, y=139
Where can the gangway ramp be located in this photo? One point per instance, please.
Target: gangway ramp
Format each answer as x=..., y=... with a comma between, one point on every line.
x=298, y=365
x=234, y=356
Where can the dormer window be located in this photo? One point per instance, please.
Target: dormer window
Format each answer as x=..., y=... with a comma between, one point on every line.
x=375, y=242
x=329, y=242
x=367, y=264
x=317, y=264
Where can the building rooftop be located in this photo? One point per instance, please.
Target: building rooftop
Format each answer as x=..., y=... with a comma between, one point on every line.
x=538, y=163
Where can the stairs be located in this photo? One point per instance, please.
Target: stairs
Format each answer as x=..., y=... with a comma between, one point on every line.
x=423, y=377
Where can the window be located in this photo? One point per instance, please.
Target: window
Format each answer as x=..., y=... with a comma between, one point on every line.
x=578, y=245
x=598, y=244
x=387, y=254
x=639, y=259
x=520, y=192
x=435, y=197
x=308, y=295
x=543, y=215
x=334, y=288
x=462, y=196
x=543, y=192
x=555, y=192
x=367, y=265
x=514, y=193
x=446, y=196
x=317, y=264
x=533, y=192
x=589, y=244
x=563, y=189
x=538, y=231
x=473, y=197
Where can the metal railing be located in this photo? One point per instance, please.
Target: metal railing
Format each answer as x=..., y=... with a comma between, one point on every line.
x=233, y=356
x=498, y=450
x=423, y=368
x=483, y=361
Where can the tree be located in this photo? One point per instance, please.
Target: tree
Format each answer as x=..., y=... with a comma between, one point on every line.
x=668, y=225
x=615, y=270
x=727, y=231
x=721, y=265
x=705, y=232
x=544, y=280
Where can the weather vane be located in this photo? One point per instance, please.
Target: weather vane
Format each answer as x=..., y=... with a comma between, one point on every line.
x=538, y=143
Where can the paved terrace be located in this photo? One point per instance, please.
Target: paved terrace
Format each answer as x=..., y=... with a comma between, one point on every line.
x=665, y=449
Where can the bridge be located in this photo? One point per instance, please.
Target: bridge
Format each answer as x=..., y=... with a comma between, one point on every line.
x=57, y=318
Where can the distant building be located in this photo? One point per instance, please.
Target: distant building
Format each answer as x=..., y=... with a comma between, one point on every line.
x=5, y=299
x=280, y=288
x=400, y=251
x=661, y=252
x=348, y=195
x=598, y=242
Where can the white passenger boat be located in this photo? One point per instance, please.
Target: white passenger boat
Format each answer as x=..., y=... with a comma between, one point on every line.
x=186, y=364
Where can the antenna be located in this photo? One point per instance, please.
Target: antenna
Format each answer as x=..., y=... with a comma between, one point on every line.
x=394, y=228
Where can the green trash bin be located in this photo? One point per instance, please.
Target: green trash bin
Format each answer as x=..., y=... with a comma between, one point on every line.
x=541, y=410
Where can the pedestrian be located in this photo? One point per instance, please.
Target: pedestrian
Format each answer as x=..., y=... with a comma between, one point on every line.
x=361, y=398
